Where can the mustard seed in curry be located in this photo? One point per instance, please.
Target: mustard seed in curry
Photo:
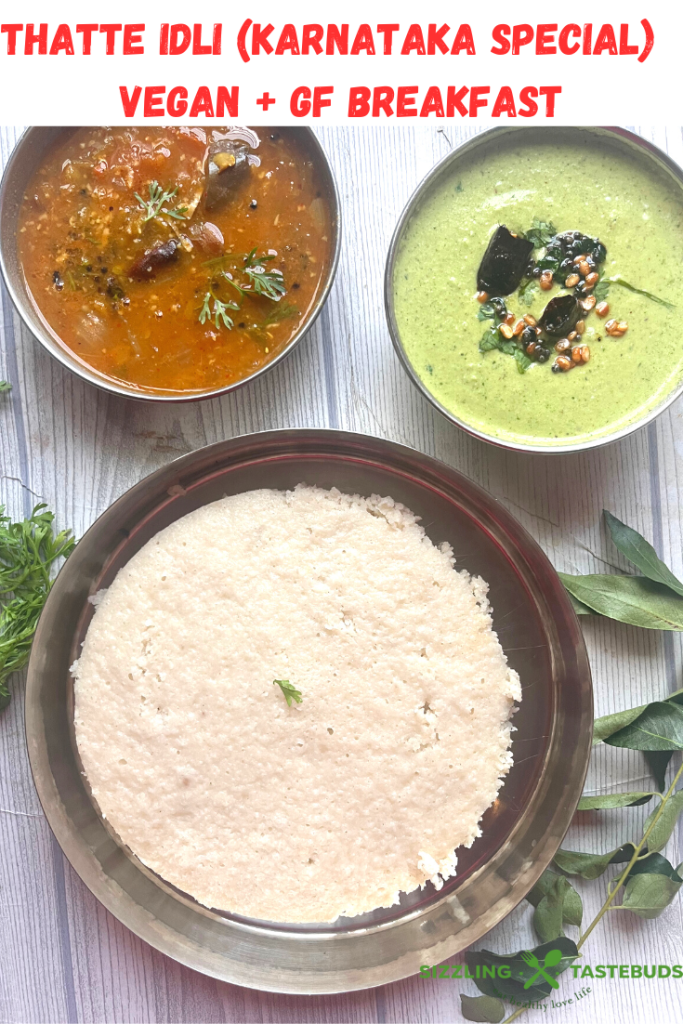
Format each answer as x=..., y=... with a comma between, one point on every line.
x=175, y=259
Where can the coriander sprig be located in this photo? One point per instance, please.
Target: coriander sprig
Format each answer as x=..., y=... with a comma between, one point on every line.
x=541, y=232
x=268, y=283
x=260, y=281
x=155, y=204
x=290, y=692
x=219, y=313
x=226, y=276
x=28, y=551
x=247, y=275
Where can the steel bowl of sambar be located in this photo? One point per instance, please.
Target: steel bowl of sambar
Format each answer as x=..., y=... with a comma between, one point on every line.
x=169, y=263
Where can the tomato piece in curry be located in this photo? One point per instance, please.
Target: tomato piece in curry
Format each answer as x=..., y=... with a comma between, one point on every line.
x=175, y=259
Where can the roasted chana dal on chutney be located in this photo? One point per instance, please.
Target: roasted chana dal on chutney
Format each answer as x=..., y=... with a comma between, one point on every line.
x=176, y=259
x=538, y=288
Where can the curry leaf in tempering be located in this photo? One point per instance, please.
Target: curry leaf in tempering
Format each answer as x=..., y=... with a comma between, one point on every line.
x=291, y=694
x=618, y=279
x=551, y=261
x=601, y=290
x=482, y=1008
x=610, y=800
x=658, y=727
x=641, y=553
x=487, y=312
x=493, y=339
x=631, y=599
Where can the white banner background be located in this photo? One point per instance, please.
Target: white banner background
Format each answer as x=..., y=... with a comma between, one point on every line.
x=44, y=89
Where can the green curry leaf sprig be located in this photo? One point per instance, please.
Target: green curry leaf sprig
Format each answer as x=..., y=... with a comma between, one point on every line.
x=28, y=552
x=649, y=881
x=645, y=882
x=602, y=291
x=653, y=600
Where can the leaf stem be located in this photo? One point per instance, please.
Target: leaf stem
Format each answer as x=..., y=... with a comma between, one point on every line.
x=607, y=905
x=515, y=1015
x=622, y=878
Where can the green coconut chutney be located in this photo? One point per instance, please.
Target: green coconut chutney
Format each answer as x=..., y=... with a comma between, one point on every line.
x=593, y=187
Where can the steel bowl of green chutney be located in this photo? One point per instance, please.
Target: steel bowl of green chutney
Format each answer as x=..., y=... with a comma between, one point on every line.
x=534, y=286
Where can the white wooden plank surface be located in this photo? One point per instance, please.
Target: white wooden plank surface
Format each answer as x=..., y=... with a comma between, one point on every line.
x=62, y=956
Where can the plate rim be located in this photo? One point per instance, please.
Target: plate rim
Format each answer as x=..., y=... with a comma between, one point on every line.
x=436, y=924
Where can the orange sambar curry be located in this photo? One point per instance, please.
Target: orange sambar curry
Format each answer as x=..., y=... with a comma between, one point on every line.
x=175, y=259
